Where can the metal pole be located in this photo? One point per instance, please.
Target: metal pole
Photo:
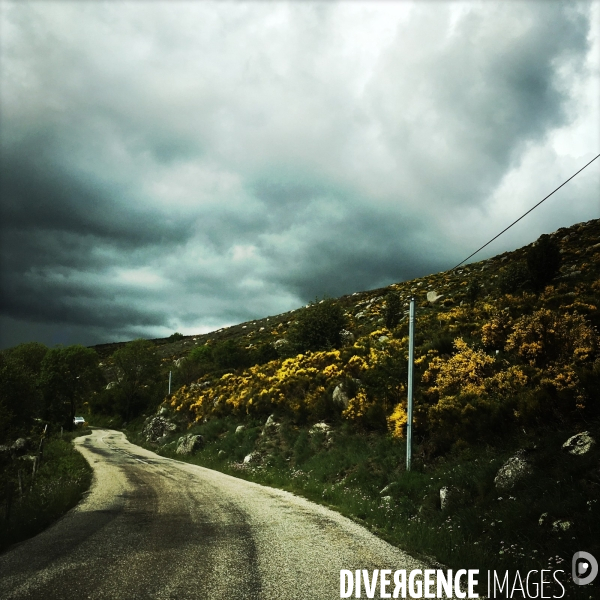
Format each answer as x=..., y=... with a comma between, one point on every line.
x=169, y=383
x=411, y=352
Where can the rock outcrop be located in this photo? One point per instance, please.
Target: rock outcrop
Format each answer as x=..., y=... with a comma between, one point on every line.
x=512, y=471
x=157, y=428
x=580, y=443
x=340, y=397
x=189, y=443
x=433, y=297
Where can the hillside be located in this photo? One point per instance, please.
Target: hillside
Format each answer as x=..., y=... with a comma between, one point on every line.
x=507, y=372
x=489, y=308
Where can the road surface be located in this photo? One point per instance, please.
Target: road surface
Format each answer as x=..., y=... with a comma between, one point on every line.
x=153, y=527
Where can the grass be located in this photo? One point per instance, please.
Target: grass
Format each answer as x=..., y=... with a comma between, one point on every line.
x=363, y=476
x=60, y=481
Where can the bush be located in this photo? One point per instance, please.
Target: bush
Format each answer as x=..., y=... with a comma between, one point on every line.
x=228, y=355
x=513, y=278
x=392, y=310
x=543, y=262
x=318, y=327
x=175, y=337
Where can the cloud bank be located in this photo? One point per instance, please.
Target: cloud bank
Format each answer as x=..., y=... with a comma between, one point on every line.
x=183, y=166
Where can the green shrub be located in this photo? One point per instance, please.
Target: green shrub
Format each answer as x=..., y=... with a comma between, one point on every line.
x=175, y=337
x=229, y=355
x=513, y=278
x=318, y=327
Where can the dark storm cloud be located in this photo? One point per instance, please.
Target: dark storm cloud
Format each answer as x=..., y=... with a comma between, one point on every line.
x=187, y=165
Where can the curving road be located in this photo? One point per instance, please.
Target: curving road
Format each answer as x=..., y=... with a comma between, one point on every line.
x=153, y=527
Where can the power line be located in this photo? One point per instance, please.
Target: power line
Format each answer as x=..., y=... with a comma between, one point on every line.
x=524, y=215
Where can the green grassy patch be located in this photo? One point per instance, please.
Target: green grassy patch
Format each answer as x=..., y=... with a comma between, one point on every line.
x=62, y=477
x=363, y=476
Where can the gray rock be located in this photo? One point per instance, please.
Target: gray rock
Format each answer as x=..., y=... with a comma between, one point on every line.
x=271, y=426
x=450, y=496
x=389, y=487
x=512, y=471
x=580, y=443
x=433, y=297
x=112, y=384
x=19, y=446
x=280, y=343
x=189, y=444
x=157, y=428
x=561, y=525
x=251, y=458
x=177, y=362
x=340, y=397
x=163, y=411
x=222, y=453
x=383, y=338
x=347, y=337
x=199, y=386
x=359, y=315
x=320, y=428
x=240, y=428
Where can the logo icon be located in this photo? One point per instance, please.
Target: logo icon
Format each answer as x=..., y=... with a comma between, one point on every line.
x=585, y=568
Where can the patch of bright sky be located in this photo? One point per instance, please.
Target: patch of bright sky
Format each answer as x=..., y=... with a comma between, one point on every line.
x=139, y=278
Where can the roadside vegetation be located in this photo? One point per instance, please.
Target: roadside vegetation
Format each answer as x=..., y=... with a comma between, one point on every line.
x=39, y=488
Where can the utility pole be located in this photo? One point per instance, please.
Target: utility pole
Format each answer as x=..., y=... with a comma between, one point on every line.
x=169, y=383
x=411, y=352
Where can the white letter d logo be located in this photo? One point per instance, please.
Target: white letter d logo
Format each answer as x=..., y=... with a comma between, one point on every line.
x=584, y=563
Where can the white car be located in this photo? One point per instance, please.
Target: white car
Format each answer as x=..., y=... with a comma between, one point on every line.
x=78, y=421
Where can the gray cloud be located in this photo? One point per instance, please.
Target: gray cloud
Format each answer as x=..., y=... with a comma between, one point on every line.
x=187, y=165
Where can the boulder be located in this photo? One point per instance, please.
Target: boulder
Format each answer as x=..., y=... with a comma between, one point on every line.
x=340, y=397
x=433, y=297
x=319, y=428
x=580, y=443
x=325, y=429
x=450, y=496
x=347, y=337
x=512, y=471
x=251, y=458
x=280, y=343
x=271, y=426
x=389, y=488
x=189, y=443
x=561, y=525
x=194, y=387
x=19, y=446
x=222, y=453
x=157, y=428
x=240, y=428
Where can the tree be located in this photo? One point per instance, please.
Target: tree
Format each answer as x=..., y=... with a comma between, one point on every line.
x=513, y=278
x=68, y=375
x=318, y=327
x=543, y=262
x=20, y=394
x=138, y=366
x=392, y=310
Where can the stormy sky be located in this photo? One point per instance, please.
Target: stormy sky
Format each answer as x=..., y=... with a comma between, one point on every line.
x=181, y=166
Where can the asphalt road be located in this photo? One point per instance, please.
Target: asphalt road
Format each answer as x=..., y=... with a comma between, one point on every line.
x=158, y=528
